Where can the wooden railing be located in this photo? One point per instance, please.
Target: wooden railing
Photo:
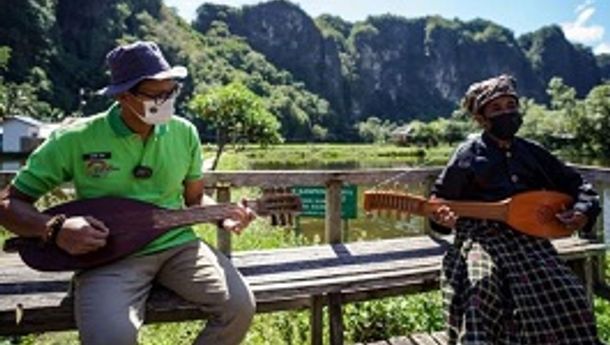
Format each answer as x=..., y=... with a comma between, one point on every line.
x=223, y=181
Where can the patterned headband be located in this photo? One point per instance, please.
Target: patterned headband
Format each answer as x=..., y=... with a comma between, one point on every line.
x=481, y=93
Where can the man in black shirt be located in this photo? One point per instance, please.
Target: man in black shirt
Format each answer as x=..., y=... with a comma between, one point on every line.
x=501, y=286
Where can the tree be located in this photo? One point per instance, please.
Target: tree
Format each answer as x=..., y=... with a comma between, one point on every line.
x=22, y=99
x=563, y=97
x=595, y=122
x=424, y=133
x=237, y=115
x=375, y=130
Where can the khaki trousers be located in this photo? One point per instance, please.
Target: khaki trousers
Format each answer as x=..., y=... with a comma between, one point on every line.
x=110, y=300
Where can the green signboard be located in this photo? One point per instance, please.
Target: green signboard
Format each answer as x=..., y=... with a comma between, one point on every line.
x=313, y=199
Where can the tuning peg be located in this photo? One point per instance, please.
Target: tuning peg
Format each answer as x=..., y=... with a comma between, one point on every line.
x=274, y=220
x=290, y=218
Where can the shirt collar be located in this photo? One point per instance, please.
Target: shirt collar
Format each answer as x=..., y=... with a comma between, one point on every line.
x=120, y=128
x=491, y=142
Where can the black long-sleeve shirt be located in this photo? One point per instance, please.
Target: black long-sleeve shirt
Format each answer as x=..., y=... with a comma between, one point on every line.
x=480, y=170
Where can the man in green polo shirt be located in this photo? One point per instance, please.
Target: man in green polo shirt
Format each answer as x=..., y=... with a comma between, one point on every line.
x=136, y=149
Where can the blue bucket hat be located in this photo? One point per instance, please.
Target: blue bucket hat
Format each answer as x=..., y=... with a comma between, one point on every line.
x=130, y=64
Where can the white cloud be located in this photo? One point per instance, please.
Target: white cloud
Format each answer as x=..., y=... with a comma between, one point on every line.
x=580, y=30
x=584, y=5
x=602, y=48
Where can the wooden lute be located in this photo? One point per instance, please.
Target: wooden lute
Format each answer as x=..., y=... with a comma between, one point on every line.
x=533, y=213
x=132, y=225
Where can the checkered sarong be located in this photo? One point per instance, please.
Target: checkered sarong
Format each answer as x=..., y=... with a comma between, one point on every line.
x=503, y=287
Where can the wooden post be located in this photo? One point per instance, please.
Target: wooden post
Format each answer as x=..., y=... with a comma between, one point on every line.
x=335, y=315
x=223, y=237
x=428, y=183
x=598, y=263
x=317, y=321
x=333, y=211
x=588, y=276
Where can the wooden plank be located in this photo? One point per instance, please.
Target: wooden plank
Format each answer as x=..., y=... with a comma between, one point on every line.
x=441, y=337
x=423, y=339
x=401, y=341
x=271, y=178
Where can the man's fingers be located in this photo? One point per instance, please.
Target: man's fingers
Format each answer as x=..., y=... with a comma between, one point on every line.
x=94, y=242
x=98, y=225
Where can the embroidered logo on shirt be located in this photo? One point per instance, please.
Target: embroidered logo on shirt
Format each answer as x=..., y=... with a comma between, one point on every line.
x=97, y=164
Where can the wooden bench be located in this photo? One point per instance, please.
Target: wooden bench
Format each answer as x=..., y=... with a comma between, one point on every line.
x=282, y=279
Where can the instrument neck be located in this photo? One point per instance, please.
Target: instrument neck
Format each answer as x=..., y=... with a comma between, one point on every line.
x=165, y=218
x=475, y=209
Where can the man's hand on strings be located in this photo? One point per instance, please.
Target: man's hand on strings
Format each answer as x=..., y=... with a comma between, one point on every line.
x=572, y=219
x=239, y=218
x=81, y=235
x=443, y=215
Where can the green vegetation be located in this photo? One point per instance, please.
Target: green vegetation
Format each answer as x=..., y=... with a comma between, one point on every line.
x=238, y=117
x=316, y=156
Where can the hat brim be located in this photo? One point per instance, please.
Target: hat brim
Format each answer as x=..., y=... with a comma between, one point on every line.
x=176, y=72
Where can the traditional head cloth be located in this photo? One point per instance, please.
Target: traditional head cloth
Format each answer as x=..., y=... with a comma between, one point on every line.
x=481, y=93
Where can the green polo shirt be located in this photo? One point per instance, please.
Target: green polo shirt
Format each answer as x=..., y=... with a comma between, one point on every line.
x=98, y=155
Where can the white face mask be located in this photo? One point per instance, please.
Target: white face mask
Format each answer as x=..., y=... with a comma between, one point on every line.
x=156, y=114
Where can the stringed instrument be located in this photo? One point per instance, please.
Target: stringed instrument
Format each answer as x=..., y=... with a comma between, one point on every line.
x=132, y=225
x=533, y=213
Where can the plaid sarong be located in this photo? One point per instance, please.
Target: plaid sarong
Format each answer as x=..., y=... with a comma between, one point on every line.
x=503, y=287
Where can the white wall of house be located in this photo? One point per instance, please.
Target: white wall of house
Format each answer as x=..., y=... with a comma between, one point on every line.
x=14, y=130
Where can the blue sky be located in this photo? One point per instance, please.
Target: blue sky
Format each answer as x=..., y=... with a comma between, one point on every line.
x=583, y=21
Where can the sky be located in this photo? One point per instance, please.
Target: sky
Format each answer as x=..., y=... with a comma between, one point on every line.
x=583, y=21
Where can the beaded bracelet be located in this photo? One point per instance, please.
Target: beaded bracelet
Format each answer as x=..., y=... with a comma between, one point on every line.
x=53, y=226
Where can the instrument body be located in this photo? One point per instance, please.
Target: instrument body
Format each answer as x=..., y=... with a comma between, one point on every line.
x=132, y=225
x=533, y=213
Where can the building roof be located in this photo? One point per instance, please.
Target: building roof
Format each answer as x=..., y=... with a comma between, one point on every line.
x=402, y=130
x=47, y=128
x=24, y=119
